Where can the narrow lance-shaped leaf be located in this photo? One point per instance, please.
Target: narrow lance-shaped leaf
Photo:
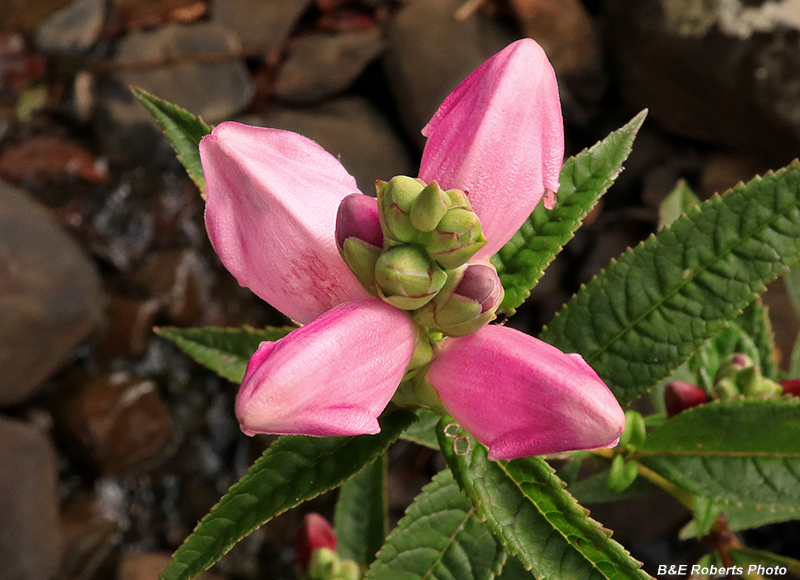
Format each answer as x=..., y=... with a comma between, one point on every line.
x=225, y=351
x=756, y=323
x=583, y=181
x=184, y=131
x=652, y=309
x=526, y=506
x=439, y=538
x=423, y=432
x=361, y=518
x=294, y=469
x=742, y=451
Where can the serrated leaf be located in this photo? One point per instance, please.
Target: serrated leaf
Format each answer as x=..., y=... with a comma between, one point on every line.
x=361, y=519
x=183, y=129
x=756, y=323
x=792, y=283
x=439, y=538
x=223, y=350
x=648, y=312
x=744, y=517
x=742, y=451
x=294, y=469
x=514, y=570
x=679, y=201
x=583, y=181
x=526, y=506
x=423, y=432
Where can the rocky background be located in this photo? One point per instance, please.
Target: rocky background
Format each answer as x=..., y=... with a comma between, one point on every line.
x=113, y=444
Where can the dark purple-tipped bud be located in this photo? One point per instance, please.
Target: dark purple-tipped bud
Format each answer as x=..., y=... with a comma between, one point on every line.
x=680, y=395
x=481, y=284
x=358, y=217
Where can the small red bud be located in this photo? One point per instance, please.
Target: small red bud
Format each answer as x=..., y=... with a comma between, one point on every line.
x=791, y=387
x=315, y=533
x=680, y=395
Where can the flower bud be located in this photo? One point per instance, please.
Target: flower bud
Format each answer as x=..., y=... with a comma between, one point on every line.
x=680, y=395
x=407, y=278
x=395, y=200
x=791, y=387
x=359, y=237
x=466, y=303
x=429, y=208
x=456, y=238
x=314, y=535
x=739, y=376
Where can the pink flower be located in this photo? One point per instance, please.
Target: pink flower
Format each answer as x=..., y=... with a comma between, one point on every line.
x=533, y=398
x=316, y=533
x=272, y=200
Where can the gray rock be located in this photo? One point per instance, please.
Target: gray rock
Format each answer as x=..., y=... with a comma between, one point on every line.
x=50, y=295
x=212, y=88
x=719, y=72
x=30, y=542
x=429, y=52
x=262, y=26
x=72, y=29
x=321, y=64
x=354, y=131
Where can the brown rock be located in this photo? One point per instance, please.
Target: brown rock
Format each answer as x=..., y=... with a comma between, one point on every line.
x=49, y=295
x=129, y=327
x=322, y=64
x=118, y=423
x=91, y=528
x=48, y=157
x=262, y=26
x=30, y=546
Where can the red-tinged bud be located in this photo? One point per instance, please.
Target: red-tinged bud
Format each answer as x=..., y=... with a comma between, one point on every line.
x=680, y=395
x=357, y=217
x=315, y=533
x=791, y=387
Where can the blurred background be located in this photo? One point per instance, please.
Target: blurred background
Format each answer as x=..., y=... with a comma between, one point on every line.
x=112, y=443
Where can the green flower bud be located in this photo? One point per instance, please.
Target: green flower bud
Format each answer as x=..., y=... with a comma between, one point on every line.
x=429, y=208
x=349, y=571
x=395, y=200
x=466, y=303
x=456, y=238
x=622, y=474
x=324, y=564
x=407, y=278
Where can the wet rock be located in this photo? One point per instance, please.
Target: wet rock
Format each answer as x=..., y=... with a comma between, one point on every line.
x=129, y=327
x=261, y=26
x=148, y=566
x=49, y=295
x=30, y=545
x=320, y=64
x=137, y=14
x=179, y=280
x=353, y=130
x=48, y=157
x=429, y=52
x=722, y=171
x=91, y=528
x=714, y=71
x=74, y=28
x=183, y=64
x=118, y=423
x=25, y=16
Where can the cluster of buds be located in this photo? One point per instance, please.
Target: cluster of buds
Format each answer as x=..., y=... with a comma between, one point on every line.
x=412, y=247
x=315, y=546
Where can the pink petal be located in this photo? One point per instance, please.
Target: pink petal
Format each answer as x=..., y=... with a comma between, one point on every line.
x=499, y=136
x=271, y=208
x=520, y=396
x=333, y=376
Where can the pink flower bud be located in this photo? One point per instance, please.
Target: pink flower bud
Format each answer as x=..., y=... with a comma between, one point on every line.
x=791, y=387
x=520, y=396
x=333, y=376
x=680, y=395
x=315, y=533
x=358, y=217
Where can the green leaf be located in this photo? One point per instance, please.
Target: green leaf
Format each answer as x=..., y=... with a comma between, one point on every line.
x=792, y=282
x=755, y=322
x=361, y=518
x=294, y=469
x=583, y=181
x=746, y=557
x=652, y=309
x=743, y=452
x=526, y=506
x=514, y=570
x=594, y=489
x=183, y=129
x=679, y=201
x=439, y=538
x=223, y=350
x=743, y=517
x=423, y=432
